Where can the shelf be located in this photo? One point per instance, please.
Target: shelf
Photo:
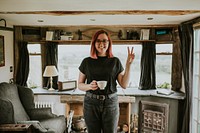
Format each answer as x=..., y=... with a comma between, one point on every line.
x=116, y=42
x=164, y=42
x=131, y=41
x=87, y=42
x=81, y=42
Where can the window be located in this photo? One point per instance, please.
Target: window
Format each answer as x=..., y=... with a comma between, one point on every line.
x=35, y=73
x=120, y=51
x=70, y=57
x=195, y=117
x=163, y=65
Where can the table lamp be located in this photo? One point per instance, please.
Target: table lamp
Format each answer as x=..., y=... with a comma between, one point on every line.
x=50, y=71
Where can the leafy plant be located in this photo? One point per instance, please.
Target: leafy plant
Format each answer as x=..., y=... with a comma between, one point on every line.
x=164, y=85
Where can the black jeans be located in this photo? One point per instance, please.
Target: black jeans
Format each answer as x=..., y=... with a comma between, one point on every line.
x=101, y=116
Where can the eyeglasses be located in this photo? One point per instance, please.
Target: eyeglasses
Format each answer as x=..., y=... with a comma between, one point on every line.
x=104, y=41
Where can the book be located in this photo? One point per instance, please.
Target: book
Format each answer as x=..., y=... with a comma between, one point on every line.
x=165, y=91
x=144, y=34
x=49, y=35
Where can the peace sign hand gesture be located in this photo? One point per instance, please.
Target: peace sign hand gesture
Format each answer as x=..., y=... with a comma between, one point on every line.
x=131, y=56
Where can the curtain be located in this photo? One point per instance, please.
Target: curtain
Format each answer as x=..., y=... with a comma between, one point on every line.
x=186, y=38
x=51, y=58
x=23, y=65
x=176, y=77
x=148, y=60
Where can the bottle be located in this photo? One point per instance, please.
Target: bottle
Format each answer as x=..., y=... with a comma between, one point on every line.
x=127, y=34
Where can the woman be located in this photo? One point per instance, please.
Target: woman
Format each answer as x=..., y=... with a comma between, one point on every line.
x=101, y=107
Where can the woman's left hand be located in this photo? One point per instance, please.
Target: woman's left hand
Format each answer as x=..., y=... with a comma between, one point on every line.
x=131, y=56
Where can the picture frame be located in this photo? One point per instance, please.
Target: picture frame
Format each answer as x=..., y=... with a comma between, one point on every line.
x=2, y=52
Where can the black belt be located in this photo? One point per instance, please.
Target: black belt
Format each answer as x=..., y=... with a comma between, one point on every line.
x=100, y=97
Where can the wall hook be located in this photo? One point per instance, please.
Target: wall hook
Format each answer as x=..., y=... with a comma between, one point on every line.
x=5, y=27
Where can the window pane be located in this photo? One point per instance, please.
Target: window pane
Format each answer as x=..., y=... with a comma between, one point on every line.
x=195, y=86
x=34, y=48
x=69, y=59
x=35, y=73
x=120, y=51
x=163, y=69
x=194, y=127
x=196, y=63
x=197, y=40
x=164, y=48
x=198, y=128
x=198, y=112
x=195, y=108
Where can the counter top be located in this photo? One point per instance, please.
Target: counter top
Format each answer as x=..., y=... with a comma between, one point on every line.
x=121, y=92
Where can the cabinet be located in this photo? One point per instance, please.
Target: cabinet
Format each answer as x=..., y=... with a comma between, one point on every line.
x=75, y=103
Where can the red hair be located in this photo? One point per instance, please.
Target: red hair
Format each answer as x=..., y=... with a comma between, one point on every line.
x=93, y=51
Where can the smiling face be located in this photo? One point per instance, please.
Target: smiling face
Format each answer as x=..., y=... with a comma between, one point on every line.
x=102, y=44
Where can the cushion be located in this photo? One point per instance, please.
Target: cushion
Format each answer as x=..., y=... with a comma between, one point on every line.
x=10, y=92
x=27, y=97
x=6, y=111
x=57, y=124
x=41, y=113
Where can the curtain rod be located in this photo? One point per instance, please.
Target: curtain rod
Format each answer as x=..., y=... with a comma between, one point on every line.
x=5, y=27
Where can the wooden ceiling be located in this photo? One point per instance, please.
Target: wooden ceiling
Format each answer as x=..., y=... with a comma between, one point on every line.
x=104, y=12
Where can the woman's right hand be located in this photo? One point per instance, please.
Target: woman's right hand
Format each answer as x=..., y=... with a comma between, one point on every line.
x=93, y=85
x=85, y=86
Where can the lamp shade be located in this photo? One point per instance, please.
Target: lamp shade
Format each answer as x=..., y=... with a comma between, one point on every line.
x=50, y=71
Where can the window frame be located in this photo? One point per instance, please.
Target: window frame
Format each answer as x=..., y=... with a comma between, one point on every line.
x=195, y=108
x=165, y=54
x=41, y=56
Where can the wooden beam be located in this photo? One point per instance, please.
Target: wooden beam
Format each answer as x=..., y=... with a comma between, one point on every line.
x=109, y=12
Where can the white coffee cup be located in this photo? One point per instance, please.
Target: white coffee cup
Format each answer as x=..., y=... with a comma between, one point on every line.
x=101, y=84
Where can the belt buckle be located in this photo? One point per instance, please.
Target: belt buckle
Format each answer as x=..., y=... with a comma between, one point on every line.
x=102, y=97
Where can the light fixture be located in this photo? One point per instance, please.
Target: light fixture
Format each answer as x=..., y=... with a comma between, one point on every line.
x=50, y=71
x=92, y=19
x=40, y=20
x=149, y=18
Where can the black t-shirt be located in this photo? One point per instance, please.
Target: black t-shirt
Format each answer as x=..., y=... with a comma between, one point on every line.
x=103, y=68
